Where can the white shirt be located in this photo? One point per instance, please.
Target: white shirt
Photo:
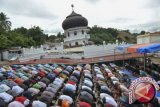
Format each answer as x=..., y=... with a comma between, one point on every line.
x=42, y=84
x=5, y=87
x=2, y=69
x=111, y=101
x=38, y=104
x=17, y=89
x=114, y=79
x=71, y=86
x=88, y=82
x=15, y=104
x=86, y=71
x=65, y=97
x=6, y=97
x=83, y=87
x=100, y=76
x=102, y=95
x=25, y=68
x=58, y=80
x=34, y=90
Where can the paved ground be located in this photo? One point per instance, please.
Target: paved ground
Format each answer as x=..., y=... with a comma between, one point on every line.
x=77, y=61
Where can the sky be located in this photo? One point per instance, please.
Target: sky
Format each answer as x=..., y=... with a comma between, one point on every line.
x=135, y=15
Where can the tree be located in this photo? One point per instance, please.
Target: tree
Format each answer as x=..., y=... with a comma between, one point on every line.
x=51, y=38
x=5, y=24
x=21, y=30
x=60, y=37
x=36, y=33
x=18, y=39
x=4, y=44
x=142, y=32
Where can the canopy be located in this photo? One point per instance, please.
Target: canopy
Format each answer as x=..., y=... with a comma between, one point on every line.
x=133, y=49
x=123, y=47
x=149, y=49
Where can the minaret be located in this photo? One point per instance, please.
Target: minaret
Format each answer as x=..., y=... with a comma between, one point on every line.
x=75, y=30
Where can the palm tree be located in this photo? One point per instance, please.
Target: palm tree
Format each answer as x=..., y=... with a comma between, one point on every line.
x=5, y=24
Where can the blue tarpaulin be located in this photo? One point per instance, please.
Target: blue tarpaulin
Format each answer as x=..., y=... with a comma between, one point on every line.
x=149, y=49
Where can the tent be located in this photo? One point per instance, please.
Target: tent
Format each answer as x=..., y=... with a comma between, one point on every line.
x=133, y=49
x=149, y=49
x=144, y=49
x=123, y=49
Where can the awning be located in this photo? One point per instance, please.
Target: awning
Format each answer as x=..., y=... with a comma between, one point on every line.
x=133, y=49
x=149, y=49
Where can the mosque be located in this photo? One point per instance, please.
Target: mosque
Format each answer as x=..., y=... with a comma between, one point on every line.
x=75, y=30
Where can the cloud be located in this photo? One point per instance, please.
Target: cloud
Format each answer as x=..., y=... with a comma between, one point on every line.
x=27, y=8
x=49, y=14
x=121, y=20
x=53, y=31
x=92, y=1
x=149, y=27
x=152, y=4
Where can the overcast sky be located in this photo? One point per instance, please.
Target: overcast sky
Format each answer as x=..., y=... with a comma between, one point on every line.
x=135, y=15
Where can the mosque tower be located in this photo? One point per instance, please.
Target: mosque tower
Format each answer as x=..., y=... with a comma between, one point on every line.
x=75, y=30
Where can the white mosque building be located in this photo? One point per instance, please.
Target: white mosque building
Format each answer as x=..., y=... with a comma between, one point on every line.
x=75, y=30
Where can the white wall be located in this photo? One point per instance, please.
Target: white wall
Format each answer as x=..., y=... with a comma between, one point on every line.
x=142, y=40
x=71, y=38
x=97, y=51
x=67, y=55
x=155, y=39
x=80, y=42
x=32, y=50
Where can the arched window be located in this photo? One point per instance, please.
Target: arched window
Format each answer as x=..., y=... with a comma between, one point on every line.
x=76, y=43
x=82, y=31
x=75, y=32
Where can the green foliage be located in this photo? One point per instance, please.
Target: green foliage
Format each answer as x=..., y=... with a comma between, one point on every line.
x=142, y=32
x=110, y=35
x=4, y=42
x=21, y=30
x=36, y=33
x=99, y=34
x=18, y=39
x=5, y=24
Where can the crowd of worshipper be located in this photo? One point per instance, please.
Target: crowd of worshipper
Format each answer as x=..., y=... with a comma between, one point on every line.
x=120, y=79
x=52, y=85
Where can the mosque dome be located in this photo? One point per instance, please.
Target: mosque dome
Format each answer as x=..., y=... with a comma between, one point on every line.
x=74, y=20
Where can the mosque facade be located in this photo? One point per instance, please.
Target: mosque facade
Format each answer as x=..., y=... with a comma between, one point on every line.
x=75, y=30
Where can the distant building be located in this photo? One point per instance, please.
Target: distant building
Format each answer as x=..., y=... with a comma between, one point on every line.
x=149, y=38
x=75, y=30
